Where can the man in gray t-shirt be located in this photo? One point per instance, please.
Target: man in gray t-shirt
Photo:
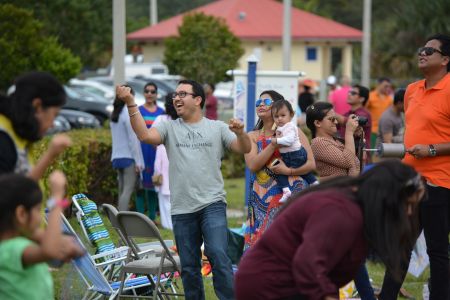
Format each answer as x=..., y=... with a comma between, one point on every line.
x=391, y=125
x=195, y=146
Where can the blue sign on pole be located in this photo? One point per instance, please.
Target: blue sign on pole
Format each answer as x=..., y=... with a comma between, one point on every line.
x=251, y=98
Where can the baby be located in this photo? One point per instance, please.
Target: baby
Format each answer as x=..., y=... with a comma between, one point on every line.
x=291, y=150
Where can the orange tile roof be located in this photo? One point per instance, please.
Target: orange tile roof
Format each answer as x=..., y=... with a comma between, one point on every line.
x=257, y=19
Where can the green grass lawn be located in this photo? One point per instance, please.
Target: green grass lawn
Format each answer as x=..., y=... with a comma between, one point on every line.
x=235, y=199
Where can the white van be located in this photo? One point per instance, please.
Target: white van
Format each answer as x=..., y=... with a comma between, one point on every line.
x=143, y=69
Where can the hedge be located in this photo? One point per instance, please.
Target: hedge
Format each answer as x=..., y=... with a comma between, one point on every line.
x=87, y=164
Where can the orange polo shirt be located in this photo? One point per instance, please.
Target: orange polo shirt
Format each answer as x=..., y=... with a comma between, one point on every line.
x=427, y=121
x=376, y=105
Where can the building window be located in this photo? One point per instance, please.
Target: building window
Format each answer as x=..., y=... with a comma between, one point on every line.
x=311, y=53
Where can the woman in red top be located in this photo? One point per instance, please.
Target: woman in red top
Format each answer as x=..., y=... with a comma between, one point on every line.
x=320, y=238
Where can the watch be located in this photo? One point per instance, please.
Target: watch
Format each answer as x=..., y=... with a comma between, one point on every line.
x=432, y=150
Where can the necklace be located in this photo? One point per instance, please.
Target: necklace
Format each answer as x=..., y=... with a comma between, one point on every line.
x=263, y=132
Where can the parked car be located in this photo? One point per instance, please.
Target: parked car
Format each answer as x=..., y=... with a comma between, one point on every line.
x=60, y=124
x=108, y=81
x=138, y=86
x=224, y=94
x=171, y=81
x=94, y=87
x=87, y=102
x=79, y=119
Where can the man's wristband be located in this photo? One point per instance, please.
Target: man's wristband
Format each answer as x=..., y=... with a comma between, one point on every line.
x=132, y=105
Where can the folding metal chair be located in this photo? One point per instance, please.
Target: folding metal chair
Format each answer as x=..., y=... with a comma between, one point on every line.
x=111, y=212
x=97, y=284
x=136, y=225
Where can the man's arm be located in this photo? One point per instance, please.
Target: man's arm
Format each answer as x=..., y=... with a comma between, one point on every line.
x=242, y=144
x=387, y=137
x=421, y=151
x=145, y=135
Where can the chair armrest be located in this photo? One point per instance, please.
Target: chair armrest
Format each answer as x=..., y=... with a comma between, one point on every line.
x=120, y=253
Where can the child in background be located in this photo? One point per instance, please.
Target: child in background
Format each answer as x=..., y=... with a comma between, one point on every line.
x=23, y=271
x=291, y=150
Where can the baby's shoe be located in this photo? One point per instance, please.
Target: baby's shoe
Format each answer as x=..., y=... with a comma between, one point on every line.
x=286, y=194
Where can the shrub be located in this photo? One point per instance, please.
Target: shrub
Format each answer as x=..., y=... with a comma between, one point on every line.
x=87, y=164
x=233, y=165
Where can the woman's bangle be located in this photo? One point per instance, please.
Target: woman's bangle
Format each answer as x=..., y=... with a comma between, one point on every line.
x=133, y=114
x=132, y=105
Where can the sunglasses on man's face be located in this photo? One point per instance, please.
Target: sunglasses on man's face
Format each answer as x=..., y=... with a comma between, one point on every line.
x=266, y=102
x=353, y=93
x=427, y=51
x=150, y=91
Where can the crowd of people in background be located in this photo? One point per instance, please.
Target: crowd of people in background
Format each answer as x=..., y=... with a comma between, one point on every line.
x=305, y=236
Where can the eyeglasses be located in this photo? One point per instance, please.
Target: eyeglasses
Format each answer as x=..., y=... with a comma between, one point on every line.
x=266, y=102
x=181, y=94
x=353, y=93
x=429, y=51
x=150, y=91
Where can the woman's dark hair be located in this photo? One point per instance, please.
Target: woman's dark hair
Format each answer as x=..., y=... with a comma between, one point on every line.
x=363, y=92
x=399, y=96
x=275, y=97
x=382, y=194
x=151, y=83
x=118, y=106
x=316, y=112
x=170, y=109
x=276, y=106
x=18, y=106
x=16, y=190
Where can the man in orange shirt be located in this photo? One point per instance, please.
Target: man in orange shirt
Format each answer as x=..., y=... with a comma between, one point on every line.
x=379, y=100
x=427, y=140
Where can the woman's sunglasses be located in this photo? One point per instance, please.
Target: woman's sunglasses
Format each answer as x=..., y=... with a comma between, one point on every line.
x=266, y=102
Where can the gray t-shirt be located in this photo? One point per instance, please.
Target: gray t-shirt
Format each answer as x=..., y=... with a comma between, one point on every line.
x=391, y=122
x=195, y=152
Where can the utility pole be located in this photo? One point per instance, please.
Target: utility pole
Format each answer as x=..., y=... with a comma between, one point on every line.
x=287, y=24
x=119, y=41
x=153, y=12
x=365, y=63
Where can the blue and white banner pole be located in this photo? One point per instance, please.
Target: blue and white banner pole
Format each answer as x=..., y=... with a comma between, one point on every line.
x=251, y=98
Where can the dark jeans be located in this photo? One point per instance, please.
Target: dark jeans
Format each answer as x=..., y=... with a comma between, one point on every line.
x=294, y=159
x=362, y=283
x=435, y=220
x=208, y=225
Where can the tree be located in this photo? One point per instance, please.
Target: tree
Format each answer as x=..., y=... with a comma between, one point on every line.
x=83, y=26
x=25, y=47
x=204, y=49
x=398, y=29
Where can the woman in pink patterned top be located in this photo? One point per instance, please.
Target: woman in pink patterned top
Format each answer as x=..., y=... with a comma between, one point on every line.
x=333, y=156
